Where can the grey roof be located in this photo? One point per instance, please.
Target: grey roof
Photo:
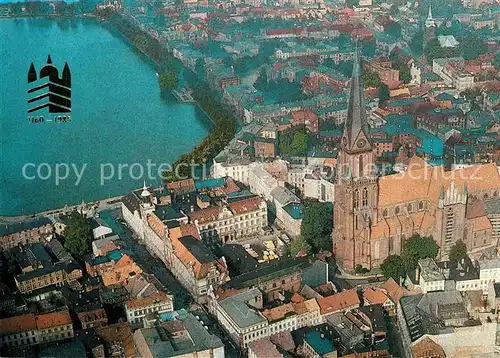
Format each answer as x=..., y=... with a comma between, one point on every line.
x=284, y=196
x=430, y=271
x=412, y=317
x=162, y=344
x=57, y=249
x=199, y=250
x=443, y=305
x=239, y=310
x=490, y=264
x=356, y=122
x=23, y=226
x=492, y=207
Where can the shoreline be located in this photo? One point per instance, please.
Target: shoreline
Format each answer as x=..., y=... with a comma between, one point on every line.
x=109, y=26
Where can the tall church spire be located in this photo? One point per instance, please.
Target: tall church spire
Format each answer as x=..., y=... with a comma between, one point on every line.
x=356, y=134
x=429, y=22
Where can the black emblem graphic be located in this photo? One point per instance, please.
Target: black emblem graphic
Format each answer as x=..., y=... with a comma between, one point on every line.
x=58, y=96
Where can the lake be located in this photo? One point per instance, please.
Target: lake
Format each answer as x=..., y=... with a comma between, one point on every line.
x=118, y=117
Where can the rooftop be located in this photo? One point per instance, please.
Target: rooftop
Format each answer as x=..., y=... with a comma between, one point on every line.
x=319, y=343
x=239, y=309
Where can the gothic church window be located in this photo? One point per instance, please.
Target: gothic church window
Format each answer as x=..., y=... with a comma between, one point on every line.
x=356, y=199
x=397, y=210
x=365, y=196
x=420, y=205
x=385, y=213
x=360, y=169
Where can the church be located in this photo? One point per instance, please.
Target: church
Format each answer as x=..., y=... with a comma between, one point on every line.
x=373, y=216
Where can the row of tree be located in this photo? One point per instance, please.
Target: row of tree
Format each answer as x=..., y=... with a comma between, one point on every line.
x=416, y=248
x=223, y=131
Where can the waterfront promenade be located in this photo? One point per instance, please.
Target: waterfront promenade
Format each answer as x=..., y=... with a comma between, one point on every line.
x=99, y=205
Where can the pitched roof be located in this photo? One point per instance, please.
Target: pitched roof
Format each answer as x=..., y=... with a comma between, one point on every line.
x=374, y=296
x=394, y=291
x=426, y=347
x=338, y=302
x=53, y=319
x=480, y=223
x=426, y=183
x=245, y=205
x=264, y=348
x=148, y=301
x=192, y=252
x=17, y=324
x=238, y=308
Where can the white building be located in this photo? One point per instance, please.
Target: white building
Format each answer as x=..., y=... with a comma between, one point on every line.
x=288, y=210
x=138, y=308
x=430, y=276
x=261, y=182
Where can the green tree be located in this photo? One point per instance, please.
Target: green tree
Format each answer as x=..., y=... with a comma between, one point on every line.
x=418, y=247
x=316, y=225
x=261, y=83
x=371, y=79
x=77, y=234
x=351, y=3
x=458, y=251
x=383, y=92
x=394, y=30
x=496, y=61
x=392, y=267
x=434, y=50
x=293, y=141
x=298, y=244
x=416, y=43
x=168, y=79
x=472, y=47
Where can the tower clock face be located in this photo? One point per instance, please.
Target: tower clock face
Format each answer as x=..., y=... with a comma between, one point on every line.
x=361, y=143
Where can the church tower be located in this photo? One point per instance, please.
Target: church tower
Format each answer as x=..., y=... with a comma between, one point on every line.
x=356, y=191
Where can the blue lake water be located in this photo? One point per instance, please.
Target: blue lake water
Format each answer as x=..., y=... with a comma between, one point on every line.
x=118, y=116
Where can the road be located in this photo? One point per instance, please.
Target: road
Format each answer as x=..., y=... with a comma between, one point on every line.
x=149, y=263
x=182, y=298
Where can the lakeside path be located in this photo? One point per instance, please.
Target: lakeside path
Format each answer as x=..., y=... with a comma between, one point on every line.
x=104, y=204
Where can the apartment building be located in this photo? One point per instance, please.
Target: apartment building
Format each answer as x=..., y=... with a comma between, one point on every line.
x=12, y=235
x=232, y=221
x=31, y=329
x=138, y=308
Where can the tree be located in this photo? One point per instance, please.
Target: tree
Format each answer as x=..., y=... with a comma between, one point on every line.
x=392, y=267
x=472, y=47
x=458, y=251
x=316, y=225
x=298, y=244
x=416, y=248
x=168, y=79
x=77, y=234
x=293, y=141
x=496, y=61
x=416, y=43
x=394, y=30
x=383, y=92
x=371, y=79
x=261, y=84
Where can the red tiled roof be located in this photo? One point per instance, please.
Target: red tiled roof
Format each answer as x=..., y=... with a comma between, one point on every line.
x=17, y=324
x=338, y=302
x=53, y=319
x=205, y=215
x=245, y=205
x=374, y=296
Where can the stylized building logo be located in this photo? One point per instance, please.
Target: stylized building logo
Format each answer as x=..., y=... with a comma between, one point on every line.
x=53, y=92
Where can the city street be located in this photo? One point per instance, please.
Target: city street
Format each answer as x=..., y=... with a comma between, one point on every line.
x=151, y=264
